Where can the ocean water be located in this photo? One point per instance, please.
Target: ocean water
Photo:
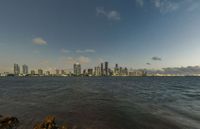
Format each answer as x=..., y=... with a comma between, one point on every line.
x=104, y=102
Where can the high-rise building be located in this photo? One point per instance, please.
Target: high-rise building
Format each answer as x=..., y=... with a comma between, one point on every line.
x=48, y=73
x=77, y=69
x=16, y=69
x=97, y=71
x=63, y=72
x=25, y=69
x=57, y=72
x=32, y=72
x=90, y=72
x=116, y=70
x=40, y=72
x=106, y=69
x=102, y=70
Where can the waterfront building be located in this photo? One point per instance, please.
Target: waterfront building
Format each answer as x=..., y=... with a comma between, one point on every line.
x=16, y=69
x=97, y=71
x=116, y=70
x=90, y=72
x=106, y=69
x=48, y=73
x=57, y=72
x=40, y=72
x=77, y=69
x=137, y=73
x=25, y=69
x=63, y=72
x=32, y=72
x=102, y=70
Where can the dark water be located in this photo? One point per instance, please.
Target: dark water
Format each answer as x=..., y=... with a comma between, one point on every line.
x=104, y=103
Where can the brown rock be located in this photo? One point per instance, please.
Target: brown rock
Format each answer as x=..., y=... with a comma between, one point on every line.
x=8, y=122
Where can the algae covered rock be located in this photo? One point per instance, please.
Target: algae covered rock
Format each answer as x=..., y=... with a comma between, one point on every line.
x=8, y=122
x=48, y=123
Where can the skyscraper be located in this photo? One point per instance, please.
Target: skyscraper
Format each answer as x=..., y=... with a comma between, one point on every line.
x=106, y=69
x=40, y=72
x=97, y=71
x=102, y=71
x=25, y=69
x=116, y=70
x=77, y=69
x=16, y=69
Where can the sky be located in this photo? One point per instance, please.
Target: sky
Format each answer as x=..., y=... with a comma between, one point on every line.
x=51, y=34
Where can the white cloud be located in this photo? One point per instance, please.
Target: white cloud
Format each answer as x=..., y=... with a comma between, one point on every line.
x=166, y=6
x=193, y=7
x=86, y=51
x=84, y=60
x=65, y=51
x=140, y=2
x=39, y=41
x=111, y=15
x=71, y=60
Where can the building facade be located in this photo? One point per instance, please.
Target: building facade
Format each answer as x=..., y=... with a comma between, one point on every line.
x=77, y=69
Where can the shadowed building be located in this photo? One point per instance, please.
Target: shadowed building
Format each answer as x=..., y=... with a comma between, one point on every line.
x=25, y=69
x=106, y=69
x=16, y=69
x=77, y=69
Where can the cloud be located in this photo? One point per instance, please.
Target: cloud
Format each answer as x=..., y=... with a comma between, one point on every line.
x=111, y=15
x=189, y=70
x=71, y=60
x=148, y=63
x=140, y=2
x=65, y=51
x=193, y=7
x=86, y=51
x=84, y=60
x=36, y=52
x=39, y=41
x=156, y=58
x=165, y=6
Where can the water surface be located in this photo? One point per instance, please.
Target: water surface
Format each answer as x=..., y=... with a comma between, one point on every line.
x=104, y=102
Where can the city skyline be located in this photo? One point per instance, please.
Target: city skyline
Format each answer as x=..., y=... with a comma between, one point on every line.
x=138, y=34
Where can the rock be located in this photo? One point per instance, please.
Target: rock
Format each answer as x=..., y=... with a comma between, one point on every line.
x=8, y=122
x=48, y=123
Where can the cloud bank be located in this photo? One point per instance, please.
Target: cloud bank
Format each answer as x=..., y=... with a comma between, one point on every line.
x=39, y=41
x=111, y=15
x=155, y=58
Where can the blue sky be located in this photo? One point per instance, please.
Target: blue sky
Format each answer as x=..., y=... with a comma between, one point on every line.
x=53, y=34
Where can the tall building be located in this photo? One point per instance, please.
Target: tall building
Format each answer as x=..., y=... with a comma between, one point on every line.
x=48, y=73
x=25, y=69
x=97, y=71
x=106, y=69
x=77, y=69
x=90, y=72
x=57, y=72
x=16, y=69
x=32, y=72
x=63, y=72
x=116, y=70
x=40, y=72
x=102, y=70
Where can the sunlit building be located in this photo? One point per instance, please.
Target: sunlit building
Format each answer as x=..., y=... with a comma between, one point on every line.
x=40, y=72
x=32, y=72
x=97, y=71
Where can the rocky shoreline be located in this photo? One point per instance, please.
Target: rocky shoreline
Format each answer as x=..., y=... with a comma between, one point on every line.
x=10, y=122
